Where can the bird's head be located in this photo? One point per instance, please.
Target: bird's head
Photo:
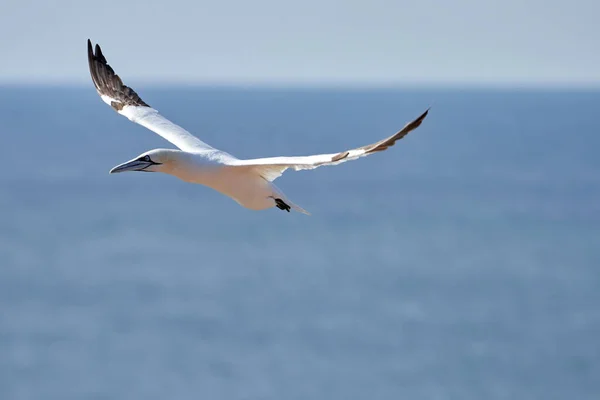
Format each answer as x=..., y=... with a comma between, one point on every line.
x=159, y=160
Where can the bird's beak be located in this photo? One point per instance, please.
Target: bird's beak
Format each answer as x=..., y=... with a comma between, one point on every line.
x=134, y=165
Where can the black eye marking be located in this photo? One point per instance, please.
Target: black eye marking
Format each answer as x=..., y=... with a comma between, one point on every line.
x=148, y=160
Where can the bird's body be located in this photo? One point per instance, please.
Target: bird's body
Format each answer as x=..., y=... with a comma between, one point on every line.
x=241, y=183
x=248, y=182
x=215, y=170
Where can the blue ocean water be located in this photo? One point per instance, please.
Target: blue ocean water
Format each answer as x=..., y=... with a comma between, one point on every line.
x=463, y=263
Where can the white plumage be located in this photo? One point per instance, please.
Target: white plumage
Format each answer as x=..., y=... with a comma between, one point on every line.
x=249, y=182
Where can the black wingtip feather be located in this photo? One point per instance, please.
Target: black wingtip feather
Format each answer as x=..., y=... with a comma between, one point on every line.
x=390, y=141
x=417, y=122
x=108, y=83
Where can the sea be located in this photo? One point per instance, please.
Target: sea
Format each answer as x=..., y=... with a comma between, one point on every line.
x=462, y=263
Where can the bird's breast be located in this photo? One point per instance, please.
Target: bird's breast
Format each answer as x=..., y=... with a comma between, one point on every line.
x=239, y=183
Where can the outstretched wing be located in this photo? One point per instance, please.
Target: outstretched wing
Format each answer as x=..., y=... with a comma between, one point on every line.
x=127, y=102
x=272, y=168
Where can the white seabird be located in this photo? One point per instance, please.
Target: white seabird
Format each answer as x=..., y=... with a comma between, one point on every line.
x=248, y=182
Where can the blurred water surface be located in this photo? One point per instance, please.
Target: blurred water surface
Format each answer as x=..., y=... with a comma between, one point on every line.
x=463, y=263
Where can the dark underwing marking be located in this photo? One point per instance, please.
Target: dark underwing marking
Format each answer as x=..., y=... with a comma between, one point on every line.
x=108, y=83
x=385, y=143
x=340, y=156
x=116, y=105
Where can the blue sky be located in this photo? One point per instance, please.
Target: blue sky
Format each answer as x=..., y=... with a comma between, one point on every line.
x=309, y=42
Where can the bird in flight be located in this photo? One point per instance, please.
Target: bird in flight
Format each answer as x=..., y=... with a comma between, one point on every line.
x=248, y=182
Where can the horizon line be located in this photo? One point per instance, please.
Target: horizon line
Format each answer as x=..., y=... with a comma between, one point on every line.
x=316, y=85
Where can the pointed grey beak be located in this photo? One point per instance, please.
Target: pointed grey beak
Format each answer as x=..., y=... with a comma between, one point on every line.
x=134, y=165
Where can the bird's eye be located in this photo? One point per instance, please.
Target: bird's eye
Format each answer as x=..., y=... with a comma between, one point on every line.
x=146, y=158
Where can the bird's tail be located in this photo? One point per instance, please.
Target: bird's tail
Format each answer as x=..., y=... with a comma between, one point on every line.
x=298, y=208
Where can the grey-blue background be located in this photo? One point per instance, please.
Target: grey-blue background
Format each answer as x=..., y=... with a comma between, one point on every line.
x=313, y=42
x=461, y=264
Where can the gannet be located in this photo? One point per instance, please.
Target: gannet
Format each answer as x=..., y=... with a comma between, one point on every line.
x=248, y=182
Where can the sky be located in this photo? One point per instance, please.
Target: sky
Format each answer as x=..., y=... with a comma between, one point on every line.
x=308, y=42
